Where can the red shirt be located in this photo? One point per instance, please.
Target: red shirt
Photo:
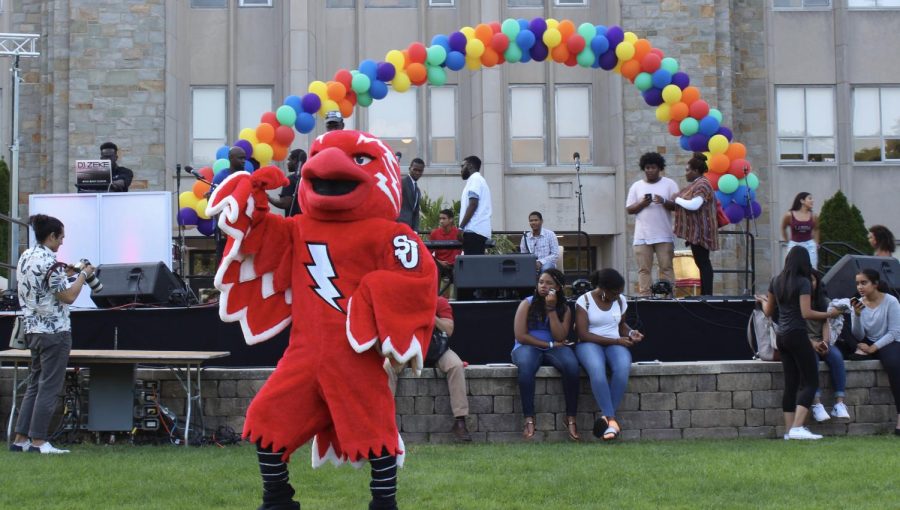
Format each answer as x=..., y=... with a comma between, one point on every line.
x=443, y=309
x=438, y=234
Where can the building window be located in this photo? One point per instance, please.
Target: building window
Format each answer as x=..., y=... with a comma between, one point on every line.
x=340, y=4
x=525, y=3
x=573, y=123
x=208, y=4
x=252, y=103
x=876, y=124
x=391, y=3
x=209, y=118
x=805, y=124
x=526, y=124
x=443, y=126
x=872, y=4
x=440, y=3
x=801, y=4
x=571, y=3
x=254, y=3
x=393, y=119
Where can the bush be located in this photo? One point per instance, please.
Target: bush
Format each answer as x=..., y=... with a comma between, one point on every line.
x=841, y=222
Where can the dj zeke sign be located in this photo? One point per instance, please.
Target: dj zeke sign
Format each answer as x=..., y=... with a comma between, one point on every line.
x=663, y=86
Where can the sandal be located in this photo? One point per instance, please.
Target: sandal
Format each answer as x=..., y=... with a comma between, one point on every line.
x=528, y=433
x=572, y=424
x=612, y=430
x=600, y=425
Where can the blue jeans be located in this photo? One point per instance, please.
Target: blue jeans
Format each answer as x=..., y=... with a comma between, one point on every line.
x=594, y=358
x=835, y=362
x=528, y=359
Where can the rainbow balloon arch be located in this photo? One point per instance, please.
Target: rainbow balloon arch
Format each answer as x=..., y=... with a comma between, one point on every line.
x=657, y=77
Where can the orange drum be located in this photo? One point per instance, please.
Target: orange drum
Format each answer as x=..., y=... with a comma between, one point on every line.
x=687, y=274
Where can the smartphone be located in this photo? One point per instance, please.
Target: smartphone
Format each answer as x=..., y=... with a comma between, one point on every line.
x=648, y=196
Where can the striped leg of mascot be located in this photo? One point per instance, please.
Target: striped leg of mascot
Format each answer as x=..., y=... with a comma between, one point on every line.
x=354, y=285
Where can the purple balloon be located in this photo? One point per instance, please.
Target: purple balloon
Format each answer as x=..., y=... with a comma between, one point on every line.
x=538, y=26
x=698, y=142
x=207, y=227
x=247, y=146
x=615, y=35
x=386, y=71
x=539, y=51
x=681, y=79
x=311, y=103
x=724, y=131
x=609, y=60
x=187, y=216
x=652, y=96
x=735, y=213
x=458, y=42
x=755, y=209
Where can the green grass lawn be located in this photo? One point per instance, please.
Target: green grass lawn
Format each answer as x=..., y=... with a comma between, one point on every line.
x=847, y=472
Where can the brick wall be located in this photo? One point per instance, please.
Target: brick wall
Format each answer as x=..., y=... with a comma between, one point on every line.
x=669, y=401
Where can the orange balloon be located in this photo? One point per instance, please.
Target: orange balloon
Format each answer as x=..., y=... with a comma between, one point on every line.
x=489, y=58
x=679, y=111
x=642, y=47
x=200, y=189
x=265, y=133
x=336, y=90
x=560, y=53
x=719, y=163
x=631, y=69
x=690, y=94
x=484, y=33
x=566, y=28
x=417, y=73
x=279, y=152
x=736, y=150
x=346, y=107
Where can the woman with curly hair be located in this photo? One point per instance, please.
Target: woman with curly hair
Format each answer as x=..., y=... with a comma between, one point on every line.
x=695, y=218
x=882, y=240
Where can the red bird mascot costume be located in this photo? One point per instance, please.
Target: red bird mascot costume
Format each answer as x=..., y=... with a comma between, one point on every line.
x=356, y=287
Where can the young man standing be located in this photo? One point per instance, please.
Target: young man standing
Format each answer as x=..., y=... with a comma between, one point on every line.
x=475, y=208
x=412, y=196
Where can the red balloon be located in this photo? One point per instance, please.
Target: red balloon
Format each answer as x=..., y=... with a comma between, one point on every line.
x=495, y=26
x=499, y=42
x=344, y=77
x=713, y=179
x=651, y=62
x=417, y=53
x=284, y=135
x=737, y=168
x=658, y=52
x=207, y=173
x=575, y=43
x=572, y=61
x=699, y=109
x=269, y=118
x=350, y=97
x=675, y=127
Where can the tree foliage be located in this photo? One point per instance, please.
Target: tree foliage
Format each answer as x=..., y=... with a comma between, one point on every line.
x=430, y=210
x=840, y=221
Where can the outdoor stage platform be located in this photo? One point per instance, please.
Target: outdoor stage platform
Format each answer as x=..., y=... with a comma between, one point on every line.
x=674, y=330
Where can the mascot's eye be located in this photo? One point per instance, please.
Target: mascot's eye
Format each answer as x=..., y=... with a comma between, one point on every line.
x=362, y=159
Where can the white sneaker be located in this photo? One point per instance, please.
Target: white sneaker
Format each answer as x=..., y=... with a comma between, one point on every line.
x=47, y=449
x=802, y=433
x=819, y=413
x=840, y=411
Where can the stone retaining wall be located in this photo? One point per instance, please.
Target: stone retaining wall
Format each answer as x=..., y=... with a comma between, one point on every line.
x=667, y=401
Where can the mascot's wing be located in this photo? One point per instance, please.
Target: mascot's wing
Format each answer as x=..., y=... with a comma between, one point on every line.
x=396, y=305
x=258, y=245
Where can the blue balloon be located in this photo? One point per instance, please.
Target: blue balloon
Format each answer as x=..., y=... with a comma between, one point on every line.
x=752, y=195
x=369, y=68
x=248, y=166
x=294, y=102
x=525, y=40
x=599, y=44
x=685, y=142
x=526, y=57
x=305, y=122
x=709, y=125
x=441, y=40
x=455, y=60
x=222, y=152
x=523, y=24
x=661, y=78
x=723, y=198
x=601, y=29
x=219, y=177
x=740, y=195
x=378, y=89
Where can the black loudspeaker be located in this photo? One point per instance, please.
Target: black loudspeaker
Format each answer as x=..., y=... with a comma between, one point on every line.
x=147, y=282
x=840, y=280
x=513, y=271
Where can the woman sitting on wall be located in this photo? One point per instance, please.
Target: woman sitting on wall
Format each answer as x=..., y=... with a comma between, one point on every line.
x=820, y=333
x=604, y=339
x=541, y=325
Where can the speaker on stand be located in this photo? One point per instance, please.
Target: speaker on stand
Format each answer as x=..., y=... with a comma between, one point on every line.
x=840, y=280
x=146, y=283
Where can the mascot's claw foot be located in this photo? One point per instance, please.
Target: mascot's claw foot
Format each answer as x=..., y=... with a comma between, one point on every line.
x=292, y=505
x=373, y=505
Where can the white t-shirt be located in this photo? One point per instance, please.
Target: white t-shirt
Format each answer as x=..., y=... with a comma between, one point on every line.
x=654, y=223
x=477, y=187
x=603, y=323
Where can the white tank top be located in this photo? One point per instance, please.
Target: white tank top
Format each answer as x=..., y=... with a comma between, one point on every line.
x=603, y=323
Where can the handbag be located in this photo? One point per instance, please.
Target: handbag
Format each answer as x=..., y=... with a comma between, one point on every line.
x=440, y=343
x=17, y=337
x=721, y=218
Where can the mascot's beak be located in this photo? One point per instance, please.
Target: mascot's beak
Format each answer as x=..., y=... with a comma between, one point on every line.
x=333, y=181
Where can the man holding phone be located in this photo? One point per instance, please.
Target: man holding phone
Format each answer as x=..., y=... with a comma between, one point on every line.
x=653, y=222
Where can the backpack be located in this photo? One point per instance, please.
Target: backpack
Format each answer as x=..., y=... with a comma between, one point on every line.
x=761, y=336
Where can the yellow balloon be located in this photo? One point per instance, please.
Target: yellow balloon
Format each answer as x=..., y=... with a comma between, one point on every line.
x=474, y=48
x=469, y=32
x=552, y=37
x=618, y=68
x=401, y=82
x=625, y=50
x=473, y=64
x=396, y=57
x=201, y=209
x=552, y=23
x=187, y=199
x=262, y=152
x=663, y=113
x=718, y=144
x=318, y=88
x=671, y=94
x=630, y=37
x=328, y=105
x=248, y=134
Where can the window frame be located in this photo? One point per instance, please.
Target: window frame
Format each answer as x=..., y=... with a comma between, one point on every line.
x=193, y=138
x=509, y=121
x=241, y=89
x=805, y=138
x=223, y=6
x=884, y=161
x=445, y=4
x=430, y=137
x=875, y=7
x=590, y=126
x=570, y=3
x=241, y=3
x=802, y=7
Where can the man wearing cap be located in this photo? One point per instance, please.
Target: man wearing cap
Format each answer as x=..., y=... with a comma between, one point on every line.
x=334, y=121
x=409, y=209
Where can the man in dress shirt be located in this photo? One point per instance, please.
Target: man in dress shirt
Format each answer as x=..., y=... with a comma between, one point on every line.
x=540, y=242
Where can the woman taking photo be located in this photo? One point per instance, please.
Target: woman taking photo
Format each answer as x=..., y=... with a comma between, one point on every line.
x=791, y=291
x=604, y=339
x=800, y=227
x=882, y=241
x=541, y=325
x=695, y=219
x=876, y=320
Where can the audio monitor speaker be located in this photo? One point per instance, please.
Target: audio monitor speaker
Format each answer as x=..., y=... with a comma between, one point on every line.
x=840, y=280
x=149, y=283
x=512, y=271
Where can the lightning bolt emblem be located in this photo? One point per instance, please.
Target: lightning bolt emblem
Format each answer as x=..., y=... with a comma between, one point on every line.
x=321, y=270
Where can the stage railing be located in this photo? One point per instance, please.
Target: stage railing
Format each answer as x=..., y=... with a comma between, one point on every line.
x=749, y=270
x=829, y=255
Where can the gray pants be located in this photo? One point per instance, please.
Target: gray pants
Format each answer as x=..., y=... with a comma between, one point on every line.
x=49, y=357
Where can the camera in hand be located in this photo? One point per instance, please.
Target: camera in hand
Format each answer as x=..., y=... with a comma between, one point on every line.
x=91, y=279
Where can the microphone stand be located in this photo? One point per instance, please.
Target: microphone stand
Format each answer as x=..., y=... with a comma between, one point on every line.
x=580, y=212
x=180, y=225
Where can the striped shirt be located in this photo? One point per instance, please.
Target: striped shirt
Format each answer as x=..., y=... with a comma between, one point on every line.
x=698, y=227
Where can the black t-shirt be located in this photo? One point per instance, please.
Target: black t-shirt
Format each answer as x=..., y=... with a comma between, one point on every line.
x=288, y=191
x=789, y=316
x=120, y=173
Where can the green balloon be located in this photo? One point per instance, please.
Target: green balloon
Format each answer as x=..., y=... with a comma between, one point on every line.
x=728, y=183
x=742, y=182
x=360, y=83
x=363, y=99
x=588, y=31
x=286, y=115
x=437, y=76
x=643, y=81
x=689, y=126
x=220, y=164
x=513, y=53
x=716, y=114
x=752, y=181
x=669, y=64
x=436, y=55
x=586, y=57
x=511, y=28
